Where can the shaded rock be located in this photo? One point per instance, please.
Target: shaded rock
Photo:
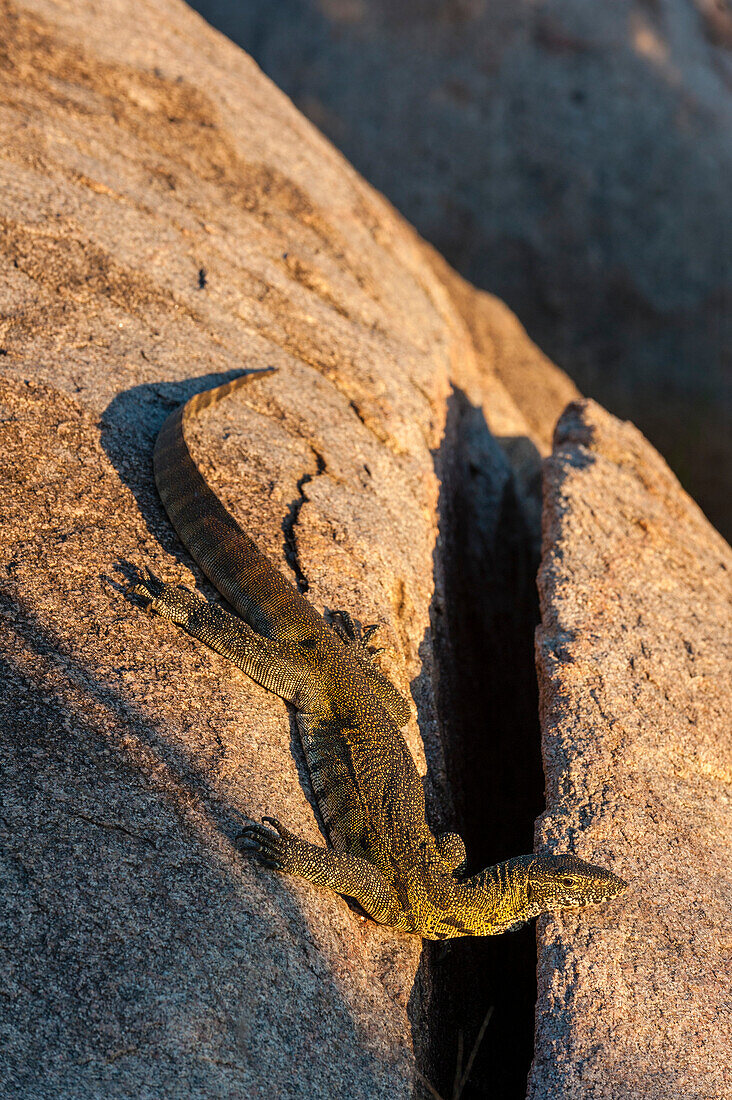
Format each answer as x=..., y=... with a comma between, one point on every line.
x=166, y=216
x=574, y=159
x=518, y=392
x=633, y=655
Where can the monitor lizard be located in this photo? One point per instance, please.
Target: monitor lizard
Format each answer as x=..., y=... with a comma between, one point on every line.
x=368, y=790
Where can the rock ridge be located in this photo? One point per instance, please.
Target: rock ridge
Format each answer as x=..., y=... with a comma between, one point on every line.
x=633, y=657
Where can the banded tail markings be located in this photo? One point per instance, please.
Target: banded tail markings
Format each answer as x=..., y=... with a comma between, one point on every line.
x=230, y=559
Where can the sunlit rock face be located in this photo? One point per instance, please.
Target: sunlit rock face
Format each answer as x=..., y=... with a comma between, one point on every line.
x=633, y=655
x=166, y=217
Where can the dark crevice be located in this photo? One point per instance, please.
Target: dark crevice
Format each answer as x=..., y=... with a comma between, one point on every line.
x=355, y=409
x=486, y=611
x=290, y=521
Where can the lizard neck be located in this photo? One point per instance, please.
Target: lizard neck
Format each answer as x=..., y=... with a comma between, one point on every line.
x=491, y=902
x=498, y=897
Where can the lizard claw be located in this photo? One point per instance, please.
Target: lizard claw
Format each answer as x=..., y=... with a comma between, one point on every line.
x=271, y=847
x=147, y=585
x=355, y=636
x=345, y=627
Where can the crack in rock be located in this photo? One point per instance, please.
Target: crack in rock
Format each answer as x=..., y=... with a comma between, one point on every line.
x=291, y=519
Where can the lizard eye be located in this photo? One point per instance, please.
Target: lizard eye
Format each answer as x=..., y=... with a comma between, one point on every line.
x=567, y=881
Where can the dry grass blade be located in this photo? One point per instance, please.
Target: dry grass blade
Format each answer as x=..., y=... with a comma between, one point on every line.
x=458, y=1091
x=460, y=1081
x=433, y=1091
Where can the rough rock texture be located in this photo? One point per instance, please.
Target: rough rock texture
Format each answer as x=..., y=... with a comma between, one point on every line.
x=634, y=668
x=166, y=215
x=572, y=157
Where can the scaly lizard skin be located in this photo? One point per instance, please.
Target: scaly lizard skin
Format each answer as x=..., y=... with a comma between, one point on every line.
x=370, y=795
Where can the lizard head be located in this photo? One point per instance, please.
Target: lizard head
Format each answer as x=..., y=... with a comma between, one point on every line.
x=506, y=895
x=566, y=882
x=511, y=893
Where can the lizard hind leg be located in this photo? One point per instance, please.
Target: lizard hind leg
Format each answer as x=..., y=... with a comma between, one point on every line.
x=274, y=664
x=452, y=849
x=356, y=637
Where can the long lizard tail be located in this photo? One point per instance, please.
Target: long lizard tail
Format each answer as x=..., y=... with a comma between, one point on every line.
x=228, y=557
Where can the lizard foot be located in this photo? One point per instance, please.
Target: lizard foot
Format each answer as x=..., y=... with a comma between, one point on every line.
x=171, y=602
x=352, y=634
x=452, y=849
x=276, y=847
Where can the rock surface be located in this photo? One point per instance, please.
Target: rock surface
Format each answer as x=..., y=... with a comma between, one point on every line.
x=167, y=216
x=634, y=673
x=573, y=158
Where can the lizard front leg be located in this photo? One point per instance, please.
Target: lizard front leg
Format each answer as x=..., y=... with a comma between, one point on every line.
x=344, y=873
x=276, y=665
